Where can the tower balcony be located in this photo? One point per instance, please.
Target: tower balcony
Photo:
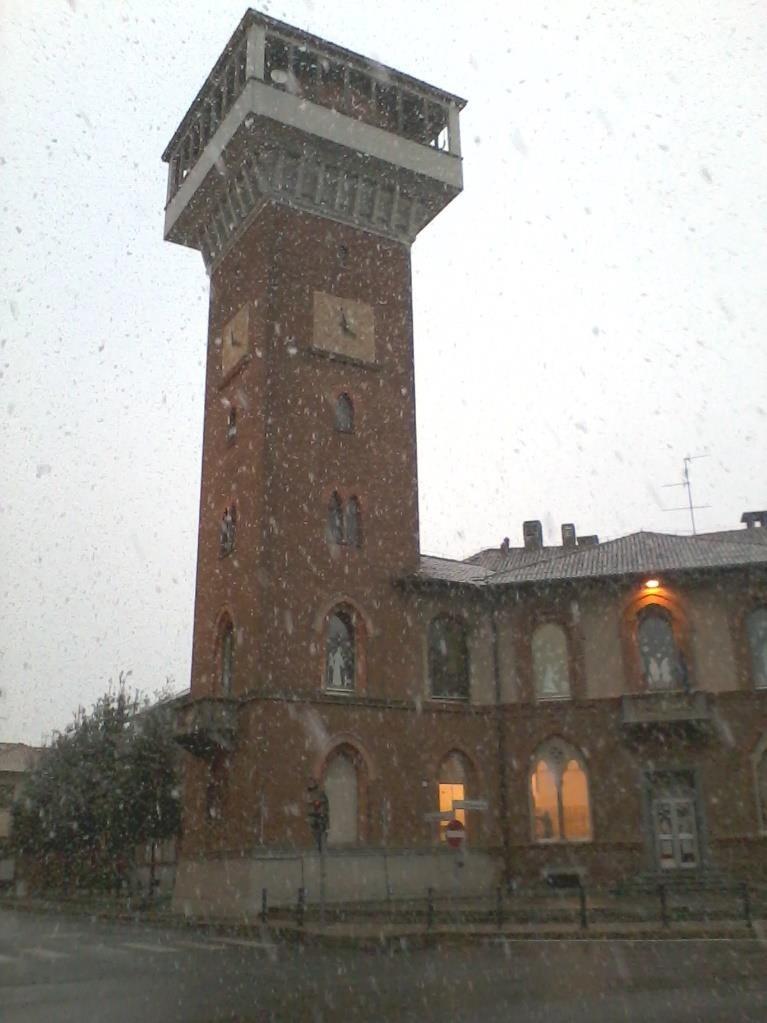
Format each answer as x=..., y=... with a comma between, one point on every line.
x=287, y=117
x=206, y=726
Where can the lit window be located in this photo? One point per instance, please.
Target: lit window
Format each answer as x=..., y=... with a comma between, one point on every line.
x=352, y=523
x=342, y=790
x=448, y=659
x=757, y=641
x=340, y=654
x=550, y=662
x=662, y=665
x=559, y=794
x=344, y=415
x=451, y=787
x=227, y=657
x=335, y=520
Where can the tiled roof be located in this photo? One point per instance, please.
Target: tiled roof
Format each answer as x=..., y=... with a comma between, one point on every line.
x=444, y=570
x=517, y=557
x=636, y=554
x=758, y=535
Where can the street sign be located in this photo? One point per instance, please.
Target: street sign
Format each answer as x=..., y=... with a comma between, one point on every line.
x=470, y=804
x=455, y=833
x=439, y=815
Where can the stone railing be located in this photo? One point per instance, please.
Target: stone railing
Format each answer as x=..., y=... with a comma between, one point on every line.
x=666, y=708
x=206, y=726
x=313, y=77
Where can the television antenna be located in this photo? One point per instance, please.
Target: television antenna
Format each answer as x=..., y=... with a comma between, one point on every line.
x=686, y=482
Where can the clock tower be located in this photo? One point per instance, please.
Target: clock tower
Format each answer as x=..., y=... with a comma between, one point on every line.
x=303, y=173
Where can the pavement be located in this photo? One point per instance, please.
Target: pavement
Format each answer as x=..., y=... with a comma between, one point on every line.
x=60, y=968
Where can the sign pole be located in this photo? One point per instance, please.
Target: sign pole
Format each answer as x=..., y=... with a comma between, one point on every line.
x=322, y=840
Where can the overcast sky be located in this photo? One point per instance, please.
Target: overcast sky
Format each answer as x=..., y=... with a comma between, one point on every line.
x=589, y=311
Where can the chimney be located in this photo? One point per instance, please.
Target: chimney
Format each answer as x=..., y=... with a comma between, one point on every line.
x=755, y=519
x=532, y=535
x=569, y=538
x=505, y=545
x=588, y=541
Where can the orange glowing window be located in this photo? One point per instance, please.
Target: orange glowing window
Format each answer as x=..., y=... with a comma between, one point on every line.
x=449, y=791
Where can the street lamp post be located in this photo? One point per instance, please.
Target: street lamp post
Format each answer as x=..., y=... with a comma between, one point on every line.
x=319, y=822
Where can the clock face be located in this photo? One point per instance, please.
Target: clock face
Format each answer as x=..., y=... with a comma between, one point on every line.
x=344, y=326
x=234, y=341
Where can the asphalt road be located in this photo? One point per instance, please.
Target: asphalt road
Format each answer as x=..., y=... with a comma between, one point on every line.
x=57, y=969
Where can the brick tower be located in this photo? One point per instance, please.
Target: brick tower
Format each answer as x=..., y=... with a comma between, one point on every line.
x=303, y=173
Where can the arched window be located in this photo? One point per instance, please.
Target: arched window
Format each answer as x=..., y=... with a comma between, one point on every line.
x=340, y=653
x=335, y=519
x=756, y=626
x=448, y=659
x=662, y=664
x=231, y=425
x=344, y=414
x=227, y=657
x=227, y=531
x=352, y=523
x=342, y=790
x=551, y=669
x=559, y=794
x=452, y=786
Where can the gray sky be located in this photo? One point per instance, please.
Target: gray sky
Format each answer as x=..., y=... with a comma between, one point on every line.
x=590, y=310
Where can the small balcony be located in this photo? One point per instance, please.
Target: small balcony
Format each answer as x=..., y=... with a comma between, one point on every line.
x=671, y=710
x=207, y=726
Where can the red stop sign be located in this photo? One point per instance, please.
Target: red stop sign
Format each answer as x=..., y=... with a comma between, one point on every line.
x=455, y=833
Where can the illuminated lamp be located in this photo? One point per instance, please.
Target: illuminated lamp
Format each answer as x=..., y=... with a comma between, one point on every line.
x=652, y=584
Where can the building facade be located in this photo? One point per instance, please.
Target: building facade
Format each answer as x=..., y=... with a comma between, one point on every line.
x=590, y=695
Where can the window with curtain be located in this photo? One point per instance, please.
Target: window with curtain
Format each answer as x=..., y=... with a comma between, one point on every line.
x=451, y=786
x=448, y=659
x=551, y=667
x=662, y=664
x=559, y=794
x=340, y=653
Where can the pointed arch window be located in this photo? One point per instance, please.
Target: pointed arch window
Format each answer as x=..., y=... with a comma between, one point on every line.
x=551, y=667
x=352, y=523
x=342, y=790
x=335, y=519
x=756, y=626
x=662, y=664
x=228, y=530
x=344, y=414
x=452, y=785
x=559, y=794
x=448, y=657
x=340, y=652
x=227, y=657
x=231, y=425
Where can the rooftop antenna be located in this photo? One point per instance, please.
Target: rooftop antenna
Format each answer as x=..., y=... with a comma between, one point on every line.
x=687, y=484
